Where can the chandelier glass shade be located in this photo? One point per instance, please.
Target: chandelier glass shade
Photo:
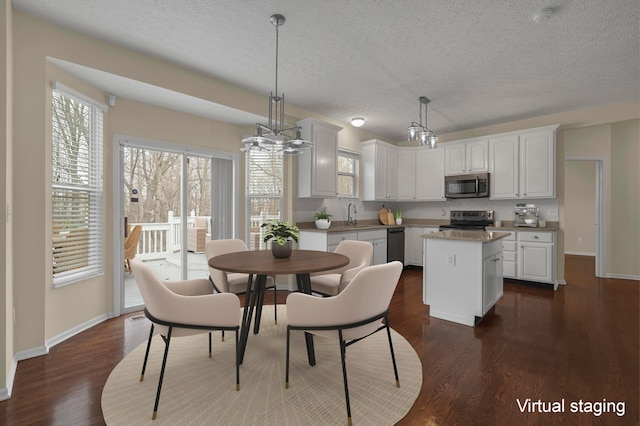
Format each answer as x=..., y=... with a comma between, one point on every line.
x=287, y=139
x=416, y=131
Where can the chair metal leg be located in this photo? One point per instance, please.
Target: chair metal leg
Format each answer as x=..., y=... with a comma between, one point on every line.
x=209, y=344
x=393, y=356
x=146, y=354
x=167, y=341
x=260, y=291
x=275, y=303
x=237, y=361
x=286, y=377
x=343, y=349
x=223, y=335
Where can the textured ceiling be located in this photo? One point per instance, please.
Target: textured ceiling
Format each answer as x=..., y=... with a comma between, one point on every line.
x=480, y=63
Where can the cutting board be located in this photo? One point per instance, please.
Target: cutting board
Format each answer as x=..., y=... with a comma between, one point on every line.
x=386, y=217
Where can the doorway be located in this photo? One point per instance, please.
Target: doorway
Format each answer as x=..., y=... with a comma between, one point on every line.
x=588, y=220
x=177, y=198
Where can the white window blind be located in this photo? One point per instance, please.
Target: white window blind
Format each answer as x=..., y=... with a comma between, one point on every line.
x=264, y=192
x=76, y=188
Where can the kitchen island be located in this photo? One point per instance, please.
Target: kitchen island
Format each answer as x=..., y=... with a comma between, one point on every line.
x=462, y=274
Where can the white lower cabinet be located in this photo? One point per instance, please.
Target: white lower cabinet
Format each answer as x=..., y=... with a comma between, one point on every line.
x=492, y=279
x=536, y=256
x=328, y=241
x=413, y=245
x=510, y=256
x=529, y=256
x=378, y=238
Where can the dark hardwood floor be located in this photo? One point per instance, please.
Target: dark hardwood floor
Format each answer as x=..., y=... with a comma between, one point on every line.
x=580, y=343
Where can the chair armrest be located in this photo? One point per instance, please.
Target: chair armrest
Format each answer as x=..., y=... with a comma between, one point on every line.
x=193, y=287
x=348, y=275
x=211, y=309
x=307, y=310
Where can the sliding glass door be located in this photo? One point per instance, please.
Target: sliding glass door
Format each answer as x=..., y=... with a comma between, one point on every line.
x=173, y=200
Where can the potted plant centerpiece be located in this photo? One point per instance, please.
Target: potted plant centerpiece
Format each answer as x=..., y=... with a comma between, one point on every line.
x=283, y=233
x=323, y=219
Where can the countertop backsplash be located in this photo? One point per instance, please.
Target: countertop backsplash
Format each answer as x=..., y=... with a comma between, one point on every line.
x=368, y=210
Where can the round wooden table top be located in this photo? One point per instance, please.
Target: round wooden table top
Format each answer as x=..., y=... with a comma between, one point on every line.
x=262, y=262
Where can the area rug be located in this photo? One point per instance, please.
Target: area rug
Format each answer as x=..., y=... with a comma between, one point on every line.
x=199, y=390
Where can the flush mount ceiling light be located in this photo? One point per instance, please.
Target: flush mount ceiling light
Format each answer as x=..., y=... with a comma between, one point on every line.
x=543, y=15
x=422, y=133
x=288, y=140
x=357, y=121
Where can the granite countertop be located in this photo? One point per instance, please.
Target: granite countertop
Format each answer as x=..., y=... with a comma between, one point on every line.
x=509, y=226
x=364, y=225
x=372, y=224
x=471, y=236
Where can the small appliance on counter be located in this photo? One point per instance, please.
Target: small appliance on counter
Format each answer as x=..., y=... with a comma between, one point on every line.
x=526, y=215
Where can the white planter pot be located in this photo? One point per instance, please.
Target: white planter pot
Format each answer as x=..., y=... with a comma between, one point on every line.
x=323, y=224
x=398, y=221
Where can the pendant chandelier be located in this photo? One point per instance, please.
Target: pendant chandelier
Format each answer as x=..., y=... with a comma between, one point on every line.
x=422, y=133
x=288, y=140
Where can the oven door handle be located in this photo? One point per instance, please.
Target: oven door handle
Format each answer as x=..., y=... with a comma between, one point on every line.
x=477, y=185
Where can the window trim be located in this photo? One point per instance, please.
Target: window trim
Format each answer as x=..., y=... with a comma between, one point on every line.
x=350, y=153
x=94, y=188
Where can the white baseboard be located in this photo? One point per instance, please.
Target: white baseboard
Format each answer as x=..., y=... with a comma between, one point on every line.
x=5, y=393
x=624, y=277
x=78, y=329
x=580, y=253
x=31, y=353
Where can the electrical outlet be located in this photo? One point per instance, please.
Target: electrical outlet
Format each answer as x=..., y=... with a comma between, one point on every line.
x=580, y=240
x=451, y=260
x=553, y=212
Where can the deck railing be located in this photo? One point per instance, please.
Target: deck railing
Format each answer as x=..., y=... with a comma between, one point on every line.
x=157, y=240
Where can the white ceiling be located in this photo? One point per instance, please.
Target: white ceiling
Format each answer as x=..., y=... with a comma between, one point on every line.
x=480, y=63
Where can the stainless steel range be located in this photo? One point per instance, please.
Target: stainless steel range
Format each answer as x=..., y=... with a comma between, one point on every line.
x=469, y=220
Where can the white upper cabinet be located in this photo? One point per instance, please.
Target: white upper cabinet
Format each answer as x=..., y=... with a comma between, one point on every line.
x=429, y=174
x=402, y=174
x=380, y=171
x=318, y=166
x=523, y=165
x=407, y=174
x=464, y=157
x=503, y=167
x=538, y=164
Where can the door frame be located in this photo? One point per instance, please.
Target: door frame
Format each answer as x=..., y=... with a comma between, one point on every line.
x=118, y=212
x=601, y=212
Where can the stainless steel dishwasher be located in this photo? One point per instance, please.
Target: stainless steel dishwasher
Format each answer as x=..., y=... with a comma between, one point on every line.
x=395, y=244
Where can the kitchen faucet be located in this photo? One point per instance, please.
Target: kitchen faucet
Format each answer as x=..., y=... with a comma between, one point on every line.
x=351, y=220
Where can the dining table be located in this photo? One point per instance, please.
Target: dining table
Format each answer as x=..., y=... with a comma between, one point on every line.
x=262, y=264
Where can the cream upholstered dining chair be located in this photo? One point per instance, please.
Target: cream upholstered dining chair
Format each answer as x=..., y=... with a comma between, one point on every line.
x=230, y=282
x=184, y=308
x=352, y=315
x=330, y=283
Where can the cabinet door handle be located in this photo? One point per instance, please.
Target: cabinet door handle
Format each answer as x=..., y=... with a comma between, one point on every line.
x=535, y=237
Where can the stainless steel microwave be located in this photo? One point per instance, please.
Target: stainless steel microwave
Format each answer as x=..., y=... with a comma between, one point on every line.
x=467, y=186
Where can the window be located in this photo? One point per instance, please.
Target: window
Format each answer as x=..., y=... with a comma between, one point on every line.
x=347, y=173
x=264, y=192
x=76, y=197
